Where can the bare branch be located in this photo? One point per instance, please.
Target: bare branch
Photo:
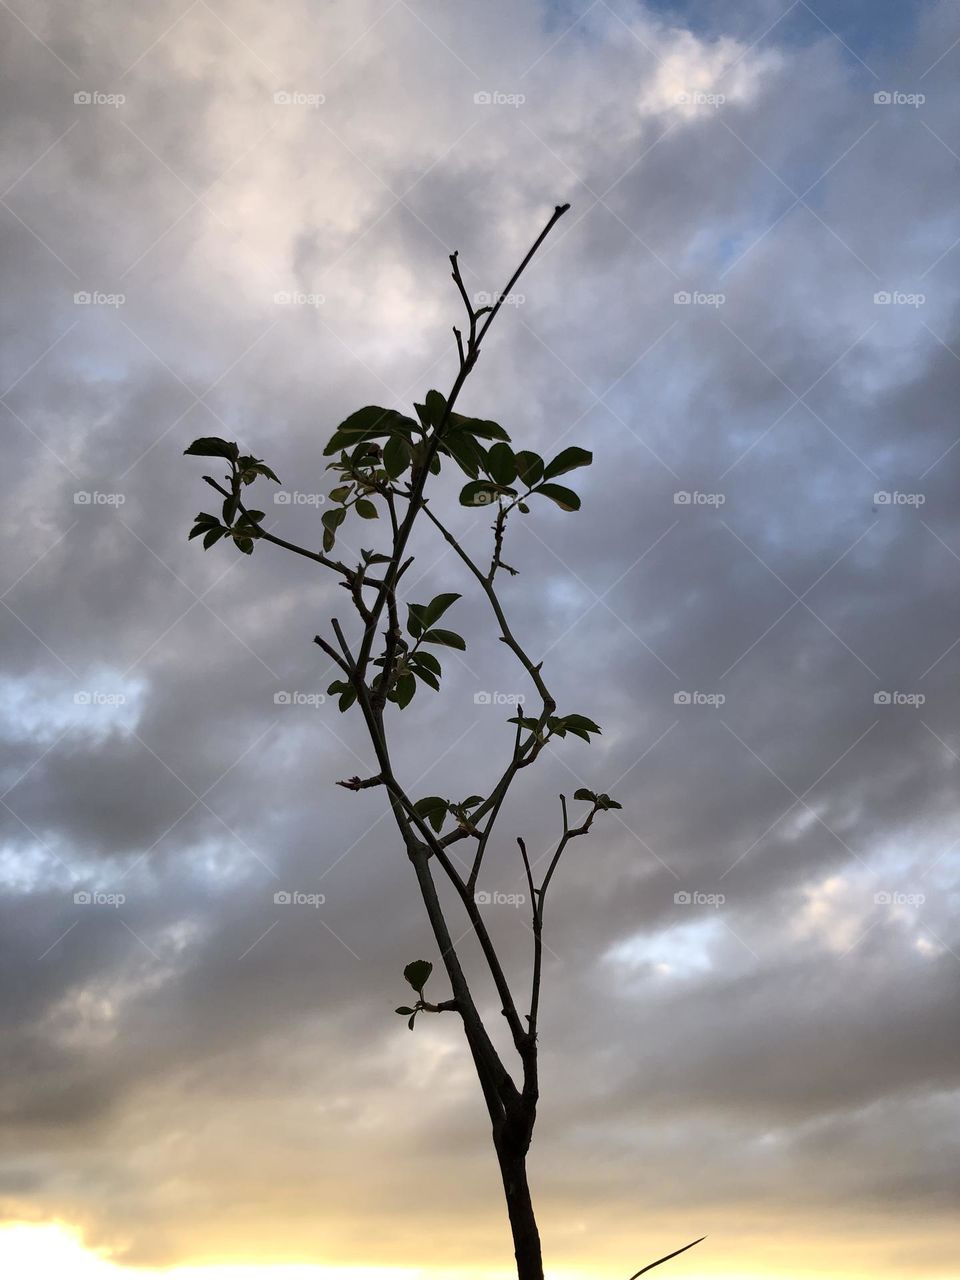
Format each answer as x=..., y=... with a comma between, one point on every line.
x=676, y=1253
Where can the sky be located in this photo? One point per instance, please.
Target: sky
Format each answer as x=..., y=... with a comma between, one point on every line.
x=224, y=218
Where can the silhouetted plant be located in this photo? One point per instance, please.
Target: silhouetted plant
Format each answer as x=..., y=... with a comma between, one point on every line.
x=382, y=461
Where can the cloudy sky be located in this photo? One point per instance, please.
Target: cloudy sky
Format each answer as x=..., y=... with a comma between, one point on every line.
x=750, y=1018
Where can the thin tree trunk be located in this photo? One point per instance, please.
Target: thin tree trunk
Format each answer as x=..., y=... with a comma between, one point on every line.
x=523, y=1224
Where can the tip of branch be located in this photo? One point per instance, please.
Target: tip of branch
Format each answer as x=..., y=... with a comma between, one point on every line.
x=358, y=784
x=561, y=209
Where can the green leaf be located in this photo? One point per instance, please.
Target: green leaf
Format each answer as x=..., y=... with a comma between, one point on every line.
x=581, y=722
x=432, y=809
x=439, y=606
x=347, y=699
x=416, y=973
x=579, y=726
x=366, y=510
x=245, y=545
x=464, y=450
x=341, y=493
x=212, y=536
x=479, y=427
x=229, y=509
x=583, y=794
x=450, y=638
x=404, y=1009
x=425, y=659
x=426, y=676
x=410, y=1021
x=403, y=690
x=529, y=467
x=396, y=457
x=415, y=623
x=435, y=405
x=567, y=460
x=368, y=423
x=262, y=469
x=565, y=499
x=481, y=493
x=501, y=465
x=202, y=522
x=333, y=519
x=213, y=447
x=605, y=802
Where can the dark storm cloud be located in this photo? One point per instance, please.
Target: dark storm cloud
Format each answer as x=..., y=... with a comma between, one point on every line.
x=802, y=1006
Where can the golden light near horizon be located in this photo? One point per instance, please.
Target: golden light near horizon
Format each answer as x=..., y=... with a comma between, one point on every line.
x=55, y=1251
